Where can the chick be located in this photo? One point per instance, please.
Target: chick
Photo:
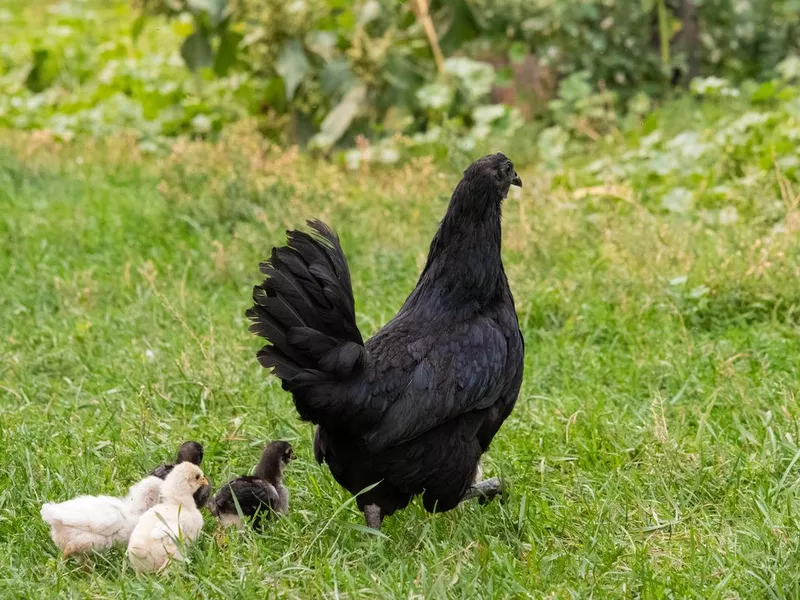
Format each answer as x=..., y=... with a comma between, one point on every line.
x=191, y=452
x=175, y=521
x=96, y=523
x=259, y=495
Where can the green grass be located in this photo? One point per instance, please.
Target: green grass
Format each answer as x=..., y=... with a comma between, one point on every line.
x=653, y=451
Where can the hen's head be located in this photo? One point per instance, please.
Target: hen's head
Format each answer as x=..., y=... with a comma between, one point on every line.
x=184, y=480
x=495, y=169
x=190, y=452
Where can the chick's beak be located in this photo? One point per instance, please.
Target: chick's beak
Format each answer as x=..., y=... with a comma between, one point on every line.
x=203, y=481
x=516, y=181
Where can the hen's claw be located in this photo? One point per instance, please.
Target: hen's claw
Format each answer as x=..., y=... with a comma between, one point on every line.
x=485, y=491
x=372, y=514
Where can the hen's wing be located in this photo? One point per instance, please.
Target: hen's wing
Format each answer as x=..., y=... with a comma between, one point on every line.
x=436, y=377
x=99, y=514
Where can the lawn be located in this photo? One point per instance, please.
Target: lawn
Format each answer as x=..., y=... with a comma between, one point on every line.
x=653, y=451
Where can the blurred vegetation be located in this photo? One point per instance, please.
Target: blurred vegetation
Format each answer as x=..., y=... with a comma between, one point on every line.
x=385, y=74
x=653, y=252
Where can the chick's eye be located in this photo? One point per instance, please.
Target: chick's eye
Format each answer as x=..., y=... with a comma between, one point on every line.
x=197, y=476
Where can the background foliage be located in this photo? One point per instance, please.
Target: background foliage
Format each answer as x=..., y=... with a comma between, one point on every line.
x=324, y=72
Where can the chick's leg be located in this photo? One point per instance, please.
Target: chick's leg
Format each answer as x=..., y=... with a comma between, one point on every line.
x=484, y=490
x=372, y=514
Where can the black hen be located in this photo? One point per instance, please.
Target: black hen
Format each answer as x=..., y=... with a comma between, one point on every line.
x=260, y=495
x=188, y=452
x=416, y=406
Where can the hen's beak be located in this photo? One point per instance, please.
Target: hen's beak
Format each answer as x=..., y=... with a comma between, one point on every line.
x=203, y=481
x=516, y=181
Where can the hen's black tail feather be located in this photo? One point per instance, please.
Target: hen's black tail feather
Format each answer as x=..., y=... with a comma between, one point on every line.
x=305, y=309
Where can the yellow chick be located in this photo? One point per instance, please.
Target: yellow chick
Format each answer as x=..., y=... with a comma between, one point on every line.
x=95, y=523
x=169, y=527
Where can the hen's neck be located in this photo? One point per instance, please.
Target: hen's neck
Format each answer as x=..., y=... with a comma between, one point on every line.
x=464, y=266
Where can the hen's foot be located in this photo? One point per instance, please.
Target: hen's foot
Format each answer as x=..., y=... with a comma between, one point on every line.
x=485, y=491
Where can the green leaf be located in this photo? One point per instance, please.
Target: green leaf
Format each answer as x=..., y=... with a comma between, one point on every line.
x=322, y=43
x=337, y=121
x=370, y=11
x=504, y=76
x=789, y=68
x=366, y=530
x=226, y=53
x=403, y=74
x=196, y=51
x=138, y=26
x=678, y=200
x=461, y=27
x=216, y=10
x=576, y=87
x=765, y=91
x=476, y=78
x=37, y=79
x=518, y=52
x=292, y=65
x=436, y=96
x=345, y=20
x=336, y=78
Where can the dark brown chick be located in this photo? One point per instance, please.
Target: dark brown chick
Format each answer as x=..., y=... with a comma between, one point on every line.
x=191, y=452
x=260, y=496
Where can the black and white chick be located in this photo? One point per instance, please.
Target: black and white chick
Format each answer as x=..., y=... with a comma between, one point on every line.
x=191, y=452
x=260, y=496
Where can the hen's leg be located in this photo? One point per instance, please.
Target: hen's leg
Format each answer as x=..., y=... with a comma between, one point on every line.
x=478, y=474
x=484, y=490
x=372, y=513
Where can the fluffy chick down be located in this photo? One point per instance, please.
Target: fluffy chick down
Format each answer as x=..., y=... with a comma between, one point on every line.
x=165, y=531
x=96, y=523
